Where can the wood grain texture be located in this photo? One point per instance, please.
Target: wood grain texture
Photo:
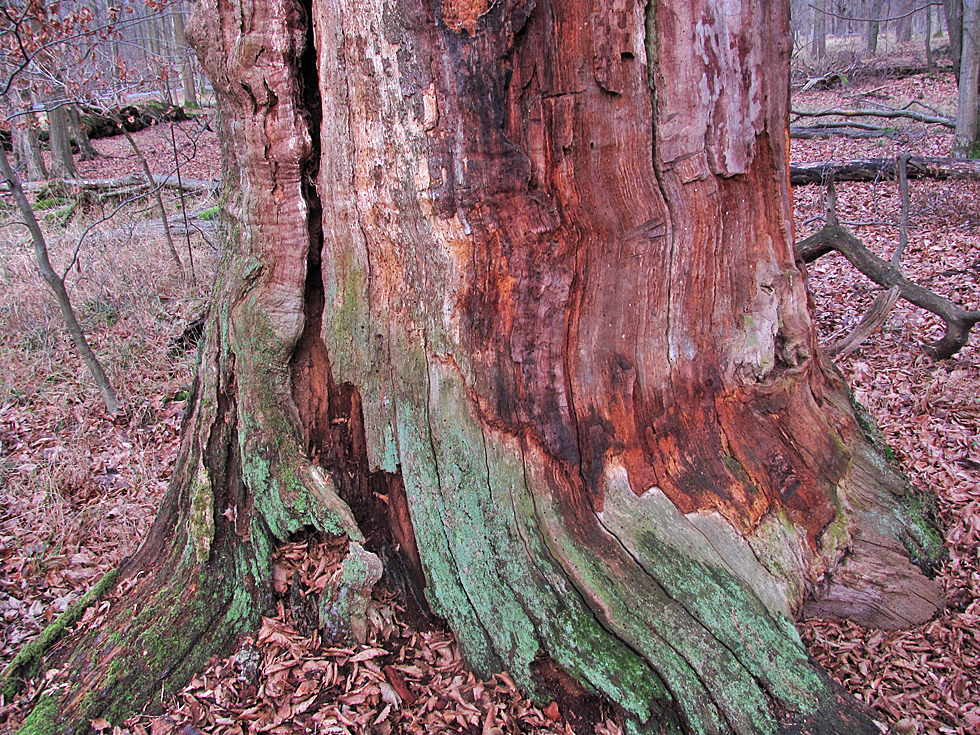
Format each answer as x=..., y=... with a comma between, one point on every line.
x=557, y=260
x=510, y=301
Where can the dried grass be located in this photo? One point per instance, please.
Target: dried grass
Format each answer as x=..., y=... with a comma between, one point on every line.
x=77, y=490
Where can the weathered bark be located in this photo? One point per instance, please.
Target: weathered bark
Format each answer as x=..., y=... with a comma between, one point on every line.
x=86, y=151
x=513, y=304
x=876, y=169
x=967, y=142
x=62, y=161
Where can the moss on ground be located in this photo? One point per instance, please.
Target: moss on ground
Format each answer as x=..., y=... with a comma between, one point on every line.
x=28, y=659
x=43, y=719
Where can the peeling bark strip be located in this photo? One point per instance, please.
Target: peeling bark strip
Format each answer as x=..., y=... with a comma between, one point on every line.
x=513, y=305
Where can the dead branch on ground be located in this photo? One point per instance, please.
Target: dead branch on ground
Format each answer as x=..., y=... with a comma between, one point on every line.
x=890, y=114
x=124, y=183
x=958, y=321
x=876, y=169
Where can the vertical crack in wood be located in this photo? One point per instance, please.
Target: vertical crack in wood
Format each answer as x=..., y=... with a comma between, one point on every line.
x=331, y=414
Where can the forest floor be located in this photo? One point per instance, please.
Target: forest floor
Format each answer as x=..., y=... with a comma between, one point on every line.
x=78, y=491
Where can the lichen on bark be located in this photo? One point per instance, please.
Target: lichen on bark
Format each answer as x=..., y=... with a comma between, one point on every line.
x=556, y=327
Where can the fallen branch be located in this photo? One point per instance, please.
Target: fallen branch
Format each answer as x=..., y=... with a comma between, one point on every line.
x=870, y=324
x=891, y=114
x=197, y=186
x=958, y=321
x=843, y=130
x=875, y=169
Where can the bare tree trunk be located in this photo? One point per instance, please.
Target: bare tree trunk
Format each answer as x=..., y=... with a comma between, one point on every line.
x=903, y=22
x=532, y=339
x=820, y=29
x=874, y=26
x=967, y=141
x=24, y=130
x=59, y=140
x=186, y=69
x=954, y=23
x=930, y=64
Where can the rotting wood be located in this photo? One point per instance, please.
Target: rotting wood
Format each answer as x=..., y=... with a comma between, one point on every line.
x=467, y=317
x=876, y=169
x=869, y=324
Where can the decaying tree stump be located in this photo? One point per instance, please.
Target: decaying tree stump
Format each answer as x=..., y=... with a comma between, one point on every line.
x=512, y=303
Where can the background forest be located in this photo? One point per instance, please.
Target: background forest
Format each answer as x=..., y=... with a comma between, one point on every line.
x=106, y=120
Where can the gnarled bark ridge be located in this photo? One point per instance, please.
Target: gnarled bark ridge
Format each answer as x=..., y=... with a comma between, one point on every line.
x=525, y=270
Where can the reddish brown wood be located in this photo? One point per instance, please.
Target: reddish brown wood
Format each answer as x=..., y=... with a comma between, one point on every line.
x=514, y=306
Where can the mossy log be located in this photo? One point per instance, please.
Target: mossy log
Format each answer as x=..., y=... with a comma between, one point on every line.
x=515, y=309
x=133, y=117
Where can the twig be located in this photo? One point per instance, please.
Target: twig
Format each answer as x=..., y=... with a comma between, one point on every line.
x=902, y=164
x=57, y=285
x=873, y=20
x=159, y=198
x=183, y=209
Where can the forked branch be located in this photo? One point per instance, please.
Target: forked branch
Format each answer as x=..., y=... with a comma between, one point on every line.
x=958, y=321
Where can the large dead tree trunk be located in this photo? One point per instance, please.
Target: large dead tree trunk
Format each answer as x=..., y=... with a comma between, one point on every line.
x=59, y=141
x=513, y=304
x=967, y=141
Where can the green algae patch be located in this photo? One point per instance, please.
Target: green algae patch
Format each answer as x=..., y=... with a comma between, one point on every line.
x=871, y=431
x=201, y=515
x=924, y=542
